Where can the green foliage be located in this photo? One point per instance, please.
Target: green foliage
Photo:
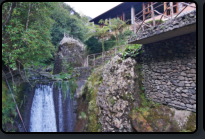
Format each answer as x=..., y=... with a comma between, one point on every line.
x=82, y=115
x=110, y=43
x=128, y=32
x=107, y=61
x=112, y=101
x=8, y=107
x=93, y=45
x=90, y=90
x=190, y=125
x=144, y=100
x=99, y=31
x=136, y=108
x=117, y=26
x=65, y=21
x=27, y=38
x=156, y=21
x=131, y=51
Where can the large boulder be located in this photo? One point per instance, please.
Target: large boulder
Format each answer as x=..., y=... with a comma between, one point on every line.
x=70, y=51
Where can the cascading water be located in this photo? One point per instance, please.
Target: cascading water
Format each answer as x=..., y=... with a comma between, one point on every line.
x=50, y=112
x=60, y=112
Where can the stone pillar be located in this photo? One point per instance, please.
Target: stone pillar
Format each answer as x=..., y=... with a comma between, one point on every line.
x=110, y=24
x=132, y=15
x=133, y=18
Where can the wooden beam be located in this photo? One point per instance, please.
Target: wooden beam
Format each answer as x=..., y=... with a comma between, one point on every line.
x=165, y=7
x=171, y=9
x=160, y=13
x=153, y=16
x=177, y=8
x=143, y=5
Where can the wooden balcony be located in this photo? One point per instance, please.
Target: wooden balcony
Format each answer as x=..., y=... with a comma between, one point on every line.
x=142, y=27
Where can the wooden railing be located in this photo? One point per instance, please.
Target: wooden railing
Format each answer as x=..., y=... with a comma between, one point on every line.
x=96, y=59
x=100, y=58
x=141, y=23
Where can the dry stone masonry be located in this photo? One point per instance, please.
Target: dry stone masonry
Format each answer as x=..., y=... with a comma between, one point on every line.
x=170, y=71
x=116, y=94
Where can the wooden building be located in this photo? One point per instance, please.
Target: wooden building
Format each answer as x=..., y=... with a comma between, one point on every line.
x=138, y=12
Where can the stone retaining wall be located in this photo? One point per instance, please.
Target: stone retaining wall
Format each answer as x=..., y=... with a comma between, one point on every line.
x=170, y=71
x=81, y=73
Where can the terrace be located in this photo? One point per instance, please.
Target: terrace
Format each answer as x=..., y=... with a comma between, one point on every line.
x=169, y=23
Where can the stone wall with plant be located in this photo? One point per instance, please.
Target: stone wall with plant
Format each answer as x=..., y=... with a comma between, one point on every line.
x=170, y=71
x=116, y=95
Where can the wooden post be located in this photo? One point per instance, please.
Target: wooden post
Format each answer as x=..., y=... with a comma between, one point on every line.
x=87, y=61
x=171, y=9
x=123, y=16
x=132, y=15
x=115, y=50
x=143, y=5
x=110, y=24
x=94, y=59
x=165, y=7
x=133, y=18
x=153, y=16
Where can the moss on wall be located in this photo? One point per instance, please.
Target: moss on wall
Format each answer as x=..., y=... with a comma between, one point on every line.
x=190, y=125
x=92, y=87
x=156, y=117
x=87, y=104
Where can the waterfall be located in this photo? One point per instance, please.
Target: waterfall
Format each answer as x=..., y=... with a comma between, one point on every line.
x=60, y=112
x=42, y=111
x=49, y=113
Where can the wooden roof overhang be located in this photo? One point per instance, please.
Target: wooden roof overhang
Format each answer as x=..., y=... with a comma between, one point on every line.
x=112, y=12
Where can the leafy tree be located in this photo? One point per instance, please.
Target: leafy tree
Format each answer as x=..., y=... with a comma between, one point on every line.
x=100, y=32
x=117, y=26
x=93, y=45
x=66, y=21
x=26, y=33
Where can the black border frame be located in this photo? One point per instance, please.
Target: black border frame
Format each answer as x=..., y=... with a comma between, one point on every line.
x=199, y=59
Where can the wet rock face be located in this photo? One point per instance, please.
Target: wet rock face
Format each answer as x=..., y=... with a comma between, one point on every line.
x=170, y=71
x=116, y=94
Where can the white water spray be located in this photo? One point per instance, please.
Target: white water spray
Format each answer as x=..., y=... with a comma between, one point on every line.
x=42, y=117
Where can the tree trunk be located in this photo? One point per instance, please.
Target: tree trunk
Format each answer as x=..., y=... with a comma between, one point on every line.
x=122, y=35
x=103, y=49
x=13, y=5
x=28, y=16
x=117, y=39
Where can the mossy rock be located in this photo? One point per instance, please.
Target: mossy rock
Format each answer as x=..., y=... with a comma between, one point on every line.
x=139, y=123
